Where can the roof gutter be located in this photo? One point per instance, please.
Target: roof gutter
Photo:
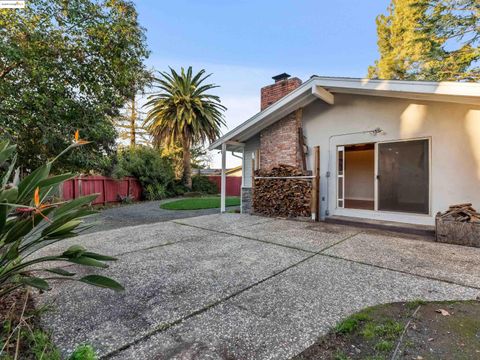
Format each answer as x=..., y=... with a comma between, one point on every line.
x=319, y=87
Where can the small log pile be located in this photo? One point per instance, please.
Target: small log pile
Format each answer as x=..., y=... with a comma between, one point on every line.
x=285, y=197
x=461, y=212
x=460, y=225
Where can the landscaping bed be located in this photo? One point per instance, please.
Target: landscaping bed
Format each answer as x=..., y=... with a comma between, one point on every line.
x=193, y=203
x=21, y=336
x=414, y=330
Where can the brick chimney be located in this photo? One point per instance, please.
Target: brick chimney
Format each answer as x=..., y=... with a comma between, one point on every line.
x=279, y=142
x=282, y=86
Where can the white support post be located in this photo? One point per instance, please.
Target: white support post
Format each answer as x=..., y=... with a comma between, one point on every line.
x=243, y=180
x=223, y=187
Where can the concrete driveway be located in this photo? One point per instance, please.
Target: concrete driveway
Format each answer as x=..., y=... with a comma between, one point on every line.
x=244, y=287
x=145, y=212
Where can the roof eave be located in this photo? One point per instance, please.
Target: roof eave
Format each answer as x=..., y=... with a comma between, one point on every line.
x=297, y=98
x=323, y=87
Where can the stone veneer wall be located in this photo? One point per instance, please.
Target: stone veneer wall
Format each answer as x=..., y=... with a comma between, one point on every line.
x=246, y=200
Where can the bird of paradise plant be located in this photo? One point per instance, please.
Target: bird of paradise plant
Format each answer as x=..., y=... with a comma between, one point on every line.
x=30, y=220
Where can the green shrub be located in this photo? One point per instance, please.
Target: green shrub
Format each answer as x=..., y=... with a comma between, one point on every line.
x=176, y=188
x=194, y=194
x=148, y=166
x=204, y=185
x=29, y=221
x=155, y=192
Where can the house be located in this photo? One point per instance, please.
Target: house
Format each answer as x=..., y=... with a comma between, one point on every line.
x=235, y=171
x=389, y=150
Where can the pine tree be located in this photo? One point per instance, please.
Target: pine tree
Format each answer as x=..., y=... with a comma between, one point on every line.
x=428, y=40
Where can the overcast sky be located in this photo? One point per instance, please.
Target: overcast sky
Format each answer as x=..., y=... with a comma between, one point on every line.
x=246, y=42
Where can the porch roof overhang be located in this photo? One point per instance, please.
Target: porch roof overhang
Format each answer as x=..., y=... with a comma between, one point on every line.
x=325, y=88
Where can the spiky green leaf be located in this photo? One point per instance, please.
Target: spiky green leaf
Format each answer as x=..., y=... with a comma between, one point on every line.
x=102, y=281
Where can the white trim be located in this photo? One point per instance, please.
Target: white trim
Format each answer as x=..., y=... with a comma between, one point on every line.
x=420, y=219
x=375, y=177
x=423, y=87
x=340, y=149
x=360, y=198
x=321, y=86
x=223, y=184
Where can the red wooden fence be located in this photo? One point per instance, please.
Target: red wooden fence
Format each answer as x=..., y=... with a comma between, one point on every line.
x=234, y=184
x=109, y=190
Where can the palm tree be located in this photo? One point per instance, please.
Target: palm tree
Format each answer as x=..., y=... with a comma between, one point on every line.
x=184, y=113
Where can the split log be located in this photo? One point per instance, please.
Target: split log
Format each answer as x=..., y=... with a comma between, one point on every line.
x=460, y=225
x=284, y=197
x=461, y=213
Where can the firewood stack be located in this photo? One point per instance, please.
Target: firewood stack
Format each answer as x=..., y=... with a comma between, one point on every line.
x=461, y=213
x=288, y=197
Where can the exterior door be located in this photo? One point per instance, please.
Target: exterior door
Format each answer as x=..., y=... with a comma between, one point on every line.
x=403, y=176
x=340, y=176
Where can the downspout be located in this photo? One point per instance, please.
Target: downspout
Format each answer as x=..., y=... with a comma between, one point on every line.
x=373, y=132
x=237, y=156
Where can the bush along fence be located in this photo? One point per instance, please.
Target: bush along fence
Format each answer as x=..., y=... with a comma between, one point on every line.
x=109, y=190
x=234, y=184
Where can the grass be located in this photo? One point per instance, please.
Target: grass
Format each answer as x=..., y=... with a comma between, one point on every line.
x=84, y=352
x=209, y=202
x=389, y=329
x=376, y=332
x=351, y=323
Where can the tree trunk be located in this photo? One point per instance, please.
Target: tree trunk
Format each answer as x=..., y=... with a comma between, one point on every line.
x=133, y=118
x=187, y=166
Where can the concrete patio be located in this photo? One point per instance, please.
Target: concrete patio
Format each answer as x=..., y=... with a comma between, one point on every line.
x=240, y=286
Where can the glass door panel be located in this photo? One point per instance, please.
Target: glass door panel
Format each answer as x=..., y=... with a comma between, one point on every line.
x=403, y=176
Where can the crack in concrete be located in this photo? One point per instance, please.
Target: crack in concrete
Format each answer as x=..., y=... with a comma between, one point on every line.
x=171, y=324
x=321, y=252
x=451, y=282
x=253, y=239
x=311, y=254
x=167, y=326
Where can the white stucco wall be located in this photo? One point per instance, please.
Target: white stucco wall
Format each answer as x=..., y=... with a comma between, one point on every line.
x=454, y=131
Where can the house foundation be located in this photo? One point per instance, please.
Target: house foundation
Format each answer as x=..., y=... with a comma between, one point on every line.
x=247, y=193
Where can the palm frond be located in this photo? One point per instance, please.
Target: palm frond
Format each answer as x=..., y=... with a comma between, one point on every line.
x=183, y=111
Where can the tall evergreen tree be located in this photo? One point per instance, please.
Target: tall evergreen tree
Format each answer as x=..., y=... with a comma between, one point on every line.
x=428, y=40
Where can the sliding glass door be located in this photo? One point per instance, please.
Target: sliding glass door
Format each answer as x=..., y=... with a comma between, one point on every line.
x=403, y=176
x=341, y=176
